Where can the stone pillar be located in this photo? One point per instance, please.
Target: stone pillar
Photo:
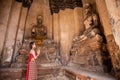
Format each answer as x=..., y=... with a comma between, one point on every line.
x=11, y=33
x=78, y=18
x=107, y=28
x=20, y=33
x=66, y=32
x=5, y=10
x=113, y=7
x=56, y=27
x=47, y=18
x=104, y=17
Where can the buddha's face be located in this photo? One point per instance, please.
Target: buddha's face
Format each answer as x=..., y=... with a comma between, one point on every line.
x=39, y=19
x=87, y=9
x=34, y=46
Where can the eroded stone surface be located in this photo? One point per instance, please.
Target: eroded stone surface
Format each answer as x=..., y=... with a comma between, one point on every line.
x=86, y=48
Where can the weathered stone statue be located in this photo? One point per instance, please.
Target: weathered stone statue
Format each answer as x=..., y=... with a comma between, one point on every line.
x=90, y=24
x=39, y=31
x=88, y=45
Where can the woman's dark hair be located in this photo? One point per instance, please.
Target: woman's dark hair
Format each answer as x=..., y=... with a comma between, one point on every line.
x=30, y=45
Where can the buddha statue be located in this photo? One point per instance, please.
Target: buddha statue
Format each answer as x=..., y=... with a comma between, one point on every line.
x=39, y=31
x=88, y=45
x=90, y=24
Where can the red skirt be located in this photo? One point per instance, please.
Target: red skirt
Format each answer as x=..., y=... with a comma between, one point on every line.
x=31, y=71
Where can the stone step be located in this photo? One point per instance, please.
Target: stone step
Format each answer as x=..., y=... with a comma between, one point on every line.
x=52, y=73
x=50, y=77
x=18, y=73
x=10, y=73
x=24, y=65
x=75, y=73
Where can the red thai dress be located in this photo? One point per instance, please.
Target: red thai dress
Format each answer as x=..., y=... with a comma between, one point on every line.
x=31, y=73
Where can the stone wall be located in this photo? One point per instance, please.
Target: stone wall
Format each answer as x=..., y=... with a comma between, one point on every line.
x=5, y=8
x=66, y=24
x=56, y=28
x=66, y=31
x=113, y=7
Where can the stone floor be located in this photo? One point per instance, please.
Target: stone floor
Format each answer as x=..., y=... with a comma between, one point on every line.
x=95, y=75
x=62, y=73
x=57, y=78
x=51, y=78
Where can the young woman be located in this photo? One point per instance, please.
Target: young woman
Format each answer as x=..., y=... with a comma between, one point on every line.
x=31, y=73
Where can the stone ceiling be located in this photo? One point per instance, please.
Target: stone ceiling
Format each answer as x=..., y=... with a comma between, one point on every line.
x=56, y=5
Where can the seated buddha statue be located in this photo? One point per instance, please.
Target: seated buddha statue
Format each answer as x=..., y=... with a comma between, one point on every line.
x=88, y=45
x=90, y=24
x=39, y=31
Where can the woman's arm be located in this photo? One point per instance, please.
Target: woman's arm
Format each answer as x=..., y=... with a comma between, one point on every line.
x=34, y=54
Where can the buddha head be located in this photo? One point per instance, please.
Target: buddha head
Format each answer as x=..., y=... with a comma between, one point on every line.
x=87, y=8
x=39, y=19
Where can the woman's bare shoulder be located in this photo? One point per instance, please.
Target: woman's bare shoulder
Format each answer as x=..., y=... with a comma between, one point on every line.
x=32, y=51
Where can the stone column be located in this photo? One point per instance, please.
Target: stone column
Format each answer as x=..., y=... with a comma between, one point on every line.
x=78, y=18
x=107, y=29
x=20, y=32
x=5, y=10
x=11, y=33
x=66, y=32
x=56, y=27
x=113, y=7
x=104, y=17
x=47, y=18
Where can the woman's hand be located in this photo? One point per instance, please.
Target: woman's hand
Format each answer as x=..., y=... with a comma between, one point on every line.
x=38, y=52
x=32, y=59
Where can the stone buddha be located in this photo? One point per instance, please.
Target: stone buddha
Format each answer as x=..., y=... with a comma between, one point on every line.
x=88, y=45
x=90, y=24
x=39, y=31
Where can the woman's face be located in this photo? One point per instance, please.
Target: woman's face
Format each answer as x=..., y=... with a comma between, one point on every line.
x=33, y=46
